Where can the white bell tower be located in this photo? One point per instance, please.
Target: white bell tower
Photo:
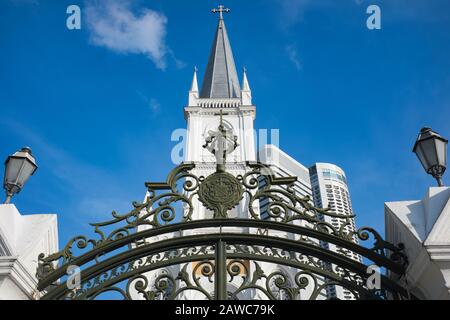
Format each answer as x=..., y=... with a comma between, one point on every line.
x=221, y=96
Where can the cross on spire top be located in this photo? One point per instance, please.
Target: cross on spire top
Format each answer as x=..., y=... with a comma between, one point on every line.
x=220, y=9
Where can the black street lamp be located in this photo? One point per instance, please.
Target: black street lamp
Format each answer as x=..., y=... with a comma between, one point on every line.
x=18, y=168
x=431, y=149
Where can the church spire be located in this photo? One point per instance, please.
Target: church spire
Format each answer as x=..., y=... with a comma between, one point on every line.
x=194, y=85
x=246, y=93
x=193, y=92
x=221, y=80
x=245, y=85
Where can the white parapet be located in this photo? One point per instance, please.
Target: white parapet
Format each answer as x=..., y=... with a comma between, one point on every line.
x=423, y=226
x=22, y=239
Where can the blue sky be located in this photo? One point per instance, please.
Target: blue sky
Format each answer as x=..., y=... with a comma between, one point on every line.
x=98, y=105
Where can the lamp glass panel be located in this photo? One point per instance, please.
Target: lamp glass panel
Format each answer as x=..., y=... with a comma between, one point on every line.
x=422, y=159
x=428, y=147
x=441, y=149
x=25, y=173
x=13, y=167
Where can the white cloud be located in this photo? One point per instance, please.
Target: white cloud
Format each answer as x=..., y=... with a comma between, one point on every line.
x=113, y=25
x=292, y=53
x=154, y=105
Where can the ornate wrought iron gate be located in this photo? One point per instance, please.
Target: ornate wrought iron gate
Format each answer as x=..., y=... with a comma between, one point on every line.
x=158, y=251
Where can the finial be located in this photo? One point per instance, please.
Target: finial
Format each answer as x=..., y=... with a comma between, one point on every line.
x=220, y=9
x=195, y=69
x=245, y=69
x=26, y=149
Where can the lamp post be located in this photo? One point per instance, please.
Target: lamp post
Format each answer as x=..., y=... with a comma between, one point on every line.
x=18, y=168
x=431, y=149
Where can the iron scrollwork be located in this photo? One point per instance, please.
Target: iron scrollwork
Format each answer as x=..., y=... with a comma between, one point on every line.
x=167, y=287
x=132, y=240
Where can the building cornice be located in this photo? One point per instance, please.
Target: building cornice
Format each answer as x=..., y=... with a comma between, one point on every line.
x=5, y=248
x=201, y=111
x=439, y=253
x=212, y=166
x=11, y=267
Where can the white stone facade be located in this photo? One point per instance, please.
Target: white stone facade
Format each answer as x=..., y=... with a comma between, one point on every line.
x=423, y=226
x=22, y=239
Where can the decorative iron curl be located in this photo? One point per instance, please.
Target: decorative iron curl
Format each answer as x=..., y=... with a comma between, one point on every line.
x=164, y=286
x=382, y=247
x=47, y=264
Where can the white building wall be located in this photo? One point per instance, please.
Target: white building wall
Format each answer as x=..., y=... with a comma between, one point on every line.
x=282, y=165
x=423, y=227
x=22, y=239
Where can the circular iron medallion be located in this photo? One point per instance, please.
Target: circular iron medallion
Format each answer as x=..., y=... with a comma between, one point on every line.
x=220, y=192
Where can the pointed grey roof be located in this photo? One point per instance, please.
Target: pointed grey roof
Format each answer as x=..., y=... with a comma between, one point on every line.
x=221, y=80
